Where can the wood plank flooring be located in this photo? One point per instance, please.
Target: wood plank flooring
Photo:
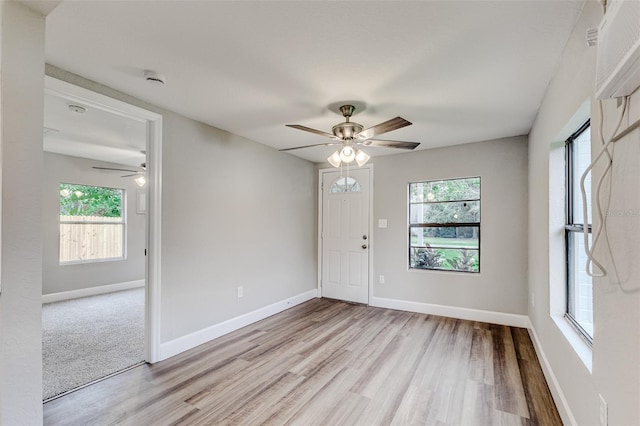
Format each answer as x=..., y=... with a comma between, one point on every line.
x=327, y=362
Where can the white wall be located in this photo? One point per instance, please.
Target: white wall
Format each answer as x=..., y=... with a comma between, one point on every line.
x=616, y=348
x=22, y=104
x=62, y=278
x=235, y=213
x=501, y=284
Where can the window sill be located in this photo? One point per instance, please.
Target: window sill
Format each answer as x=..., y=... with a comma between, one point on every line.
x=89, y=261
x=445, y=271
x=581, y=348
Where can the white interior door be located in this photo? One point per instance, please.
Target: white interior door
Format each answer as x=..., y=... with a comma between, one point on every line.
x=345, y=235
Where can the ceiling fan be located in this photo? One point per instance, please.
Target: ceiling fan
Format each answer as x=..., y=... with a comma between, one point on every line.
x=140, y=180
x=350, y=134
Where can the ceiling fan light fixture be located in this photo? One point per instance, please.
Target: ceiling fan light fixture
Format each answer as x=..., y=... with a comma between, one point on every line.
x=347, y=155
x=140, y=181
x=362, y=157
x=334, y=159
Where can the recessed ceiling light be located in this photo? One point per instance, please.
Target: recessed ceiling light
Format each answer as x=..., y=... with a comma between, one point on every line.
x=154, y=77
x=77, y=109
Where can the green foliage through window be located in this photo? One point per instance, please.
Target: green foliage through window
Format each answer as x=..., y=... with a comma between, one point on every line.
x=84, y=200
x=444, y=225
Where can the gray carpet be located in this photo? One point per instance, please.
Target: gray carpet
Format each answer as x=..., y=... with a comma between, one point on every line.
x=89, y=338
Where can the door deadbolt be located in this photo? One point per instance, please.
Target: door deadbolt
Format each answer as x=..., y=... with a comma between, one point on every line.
x=364, y=237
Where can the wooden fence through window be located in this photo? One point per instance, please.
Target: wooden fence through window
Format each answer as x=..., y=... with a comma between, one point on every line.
x=84, y=238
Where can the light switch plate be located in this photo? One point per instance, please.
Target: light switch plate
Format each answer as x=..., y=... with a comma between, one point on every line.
x=382, y=223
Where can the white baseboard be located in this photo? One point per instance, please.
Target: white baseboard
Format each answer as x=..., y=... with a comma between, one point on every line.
x=181, y=344
x=554, y=386
x=513, y=320
x=91, y=291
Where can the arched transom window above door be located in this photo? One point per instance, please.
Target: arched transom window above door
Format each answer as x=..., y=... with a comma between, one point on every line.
x=345, y=184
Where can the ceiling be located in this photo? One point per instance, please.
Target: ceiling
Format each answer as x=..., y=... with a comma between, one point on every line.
x=460, y=71
x=95, y=134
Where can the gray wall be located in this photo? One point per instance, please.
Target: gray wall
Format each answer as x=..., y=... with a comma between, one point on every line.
x=59, y=278
x=501, y=284
x=234, y=213
x=22, y=34
x=616, y=347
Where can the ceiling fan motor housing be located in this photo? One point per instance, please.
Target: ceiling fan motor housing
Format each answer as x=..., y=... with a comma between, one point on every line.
x=346, y=130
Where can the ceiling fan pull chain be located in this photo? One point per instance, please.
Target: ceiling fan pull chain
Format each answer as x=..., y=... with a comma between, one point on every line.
x=346, y=181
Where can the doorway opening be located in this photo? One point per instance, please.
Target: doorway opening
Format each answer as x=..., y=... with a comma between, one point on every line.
x=101, y=196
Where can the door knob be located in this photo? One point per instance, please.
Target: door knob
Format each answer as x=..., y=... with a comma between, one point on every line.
x=364, y=246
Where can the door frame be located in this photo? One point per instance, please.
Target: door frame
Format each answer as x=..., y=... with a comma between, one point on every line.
x=321, y=175
x=154, y=190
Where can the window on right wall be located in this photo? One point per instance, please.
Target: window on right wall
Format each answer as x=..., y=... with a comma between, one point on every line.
x=444, y=225
x=579, y=310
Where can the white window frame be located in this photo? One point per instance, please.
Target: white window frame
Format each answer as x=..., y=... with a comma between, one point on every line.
x=123, y=222
x=571, y=229
x=412, y=226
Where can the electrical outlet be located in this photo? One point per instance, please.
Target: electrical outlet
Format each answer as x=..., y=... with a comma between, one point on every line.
x=381, y=279
x=240, y=292
x=603, y=411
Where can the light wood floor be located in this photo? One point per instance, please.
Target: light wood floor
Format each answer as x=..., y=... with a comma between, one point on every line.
x=329, y=363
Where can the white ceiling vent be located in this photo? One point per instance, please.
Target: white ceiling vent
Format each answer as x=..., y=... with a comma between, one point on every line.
x=618, y=60
x=78, y=109
x=154, y=77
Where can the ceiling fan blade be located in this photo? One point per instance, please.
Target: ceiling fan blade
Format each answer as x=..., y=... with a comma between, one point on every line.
x=133, y=174
x=117, y=170
x=309, y=129
x=309, y=146
x=387, y=126
x=390, y=144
